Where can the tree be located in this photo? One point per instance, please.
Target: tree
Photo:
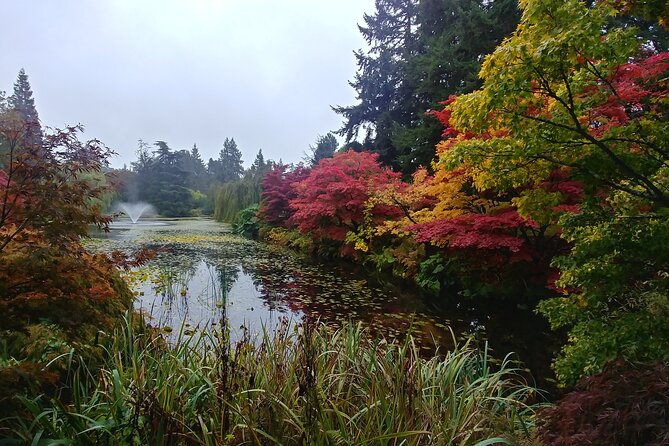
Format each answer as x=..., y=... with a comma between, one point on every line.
x=331, y=201
x=421, y=53
x=454, y=37
x=564, y=95
x=229, y=165
x=259, y=166
x=570, y=90
x=191, y=162
x=163, y=182
x=278, y=191
x=23, y=103
x=325, y=148
x=54, y=295
x=381, y=83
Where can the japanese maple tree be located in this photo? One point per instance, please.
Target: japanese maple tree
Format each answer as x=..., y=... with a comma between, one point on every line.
x=330, y=202
x=277, y=192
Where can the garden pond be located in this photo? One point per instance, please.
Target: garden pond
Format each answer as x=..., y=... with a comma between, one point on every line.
x=204, y=276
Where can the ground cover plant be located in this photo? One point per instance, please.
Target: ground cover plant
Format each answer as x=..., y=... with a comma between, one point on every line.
x=310, y=385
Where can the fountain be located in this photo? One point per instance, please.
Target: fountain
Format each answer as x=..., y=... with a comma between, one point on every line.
x=134, y=211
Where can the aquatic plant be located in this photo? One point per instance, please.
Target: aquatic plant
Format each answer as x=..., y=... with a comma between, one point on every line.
x=310, y=385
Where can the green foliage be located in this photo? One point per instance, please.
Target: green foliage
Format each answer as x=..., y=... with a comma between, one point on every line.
x=312, y=386
x=234, y=196
x=288, y=238
x=430, y=273
x=421, y=52
x=228, y=167
x=23, y=104
x=162, y=182
x=325, y=148
x=246, y=223
x=573, y=88
x=618, y=277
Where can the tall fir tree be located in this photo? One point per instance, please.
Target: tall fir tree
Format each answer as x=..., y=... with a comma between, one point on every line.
x=229, y=164
x=420, y=53
x=454, y=37
x=23, y=103
x=381, y=84
x=259, y=164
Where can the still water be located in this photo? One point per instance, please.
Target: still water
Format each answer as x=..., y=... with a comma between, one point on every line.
x=203, y=275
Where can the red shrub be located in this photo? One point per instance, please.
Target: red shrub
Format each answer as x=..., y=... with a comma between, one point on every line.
x=627, y=404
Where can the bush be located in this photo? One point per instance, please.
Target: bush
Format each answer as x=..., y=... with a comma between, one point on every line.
x=246, y=223
x=627, y=404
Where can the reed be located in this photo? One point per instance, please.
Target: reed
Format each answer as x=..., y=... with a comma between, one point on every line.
x=312, y=385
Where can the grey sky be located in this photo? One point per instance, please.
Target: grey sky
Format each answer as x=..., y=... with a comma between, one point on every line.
x=187, y=71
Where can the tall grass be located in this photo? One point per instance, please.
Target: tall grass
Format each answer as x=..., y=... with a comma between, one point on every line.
x=310, y=386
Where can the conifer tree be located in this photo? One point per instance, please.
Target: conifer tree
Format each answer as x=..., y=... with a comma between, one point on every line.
x=259, y=165
x=229, y=164
x=23, y=103
x=381, y=81
x=325, y=148
x=421, y=52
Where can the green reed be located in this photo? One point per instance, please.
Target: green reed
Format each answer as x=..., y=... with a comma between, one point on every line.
x=312, y=385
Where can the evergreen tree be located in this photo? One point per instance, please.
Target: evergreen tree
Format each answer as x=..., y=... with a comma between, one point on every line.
x=259, y=165
x=163, y=182
x=23, y=103
x=421, y=52
x=198, y=171
x=325, y=148
x=454, y=36
x=230, y=165
x=382, y=87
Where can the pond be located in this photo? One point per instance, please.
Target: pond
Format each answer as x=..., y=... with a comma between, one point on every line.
x=204, y=275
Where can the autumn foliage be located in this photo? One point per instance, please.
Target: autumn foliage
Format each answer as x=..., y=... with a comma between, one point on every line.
x=330, y=202
x=550, y=186
x=277, y=192
x=625, y=404
x=54, y=294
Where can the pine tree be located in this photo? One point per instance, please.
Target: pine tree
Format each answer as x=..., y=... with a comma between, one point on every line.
x=23, y=103
x=420, y=53
x=381, y=83
x=454, y=36
x=325, y=148
x=230, y=164
x=259, y=164
x=197, y=171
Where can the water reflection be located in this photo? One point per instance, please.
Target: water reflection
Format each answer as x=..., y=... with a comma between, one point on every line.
x=199, y=293
x=205, y=276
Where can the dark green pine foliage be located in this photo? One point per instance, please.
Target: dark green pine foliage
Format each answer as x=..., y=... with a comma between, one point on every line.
x=259, y=166
x=383, y=90
x=229, y=165
x=454, y=36
x=23, y=103
x=193, y=166
x=325, y=148
x=421, y=52
x=163, y=183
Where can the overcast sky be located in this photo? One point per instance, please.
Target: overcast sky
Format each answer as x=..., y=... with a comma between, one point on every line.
x=264, y=72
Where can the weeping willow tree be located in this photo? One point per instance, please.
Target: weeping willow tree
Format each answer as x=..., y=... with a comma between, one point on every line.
x=233, y=196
